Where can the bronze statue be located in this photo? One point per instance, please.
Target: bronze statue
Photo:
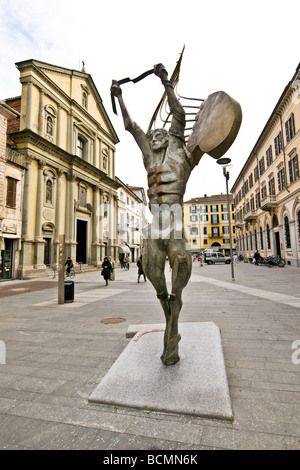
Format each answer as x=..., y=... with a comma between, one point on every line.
x=168, y=164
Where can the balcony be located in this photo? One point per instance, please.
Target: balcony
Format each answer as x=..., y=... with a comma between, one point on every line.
x=240, y=224
x=268, y=203
x=250, y=216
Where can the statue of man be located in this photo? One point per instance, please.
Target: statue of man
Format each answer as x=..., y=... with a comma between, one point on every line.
x=168, y=165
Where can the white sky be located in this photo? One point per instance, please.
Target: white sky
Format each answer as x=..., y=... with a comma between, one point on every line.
x=250, y=50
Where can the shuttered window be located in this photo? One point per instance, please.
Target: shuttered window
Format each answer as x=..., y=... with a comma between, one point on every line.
x=11, y=192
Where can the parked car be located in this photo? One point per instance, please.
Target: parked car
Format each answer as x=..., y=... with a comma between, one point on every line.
x=216, y=258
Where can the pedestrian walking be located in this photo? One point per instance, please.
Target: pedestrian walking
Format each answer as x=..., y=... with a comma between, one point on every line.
x=201, y=259
x=106, y=270
x=257, y=257
x=140, y=269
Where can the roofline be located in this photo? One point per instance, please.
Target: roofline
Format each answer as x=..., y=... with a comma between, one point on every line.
x=128, y=187
x=268, y=122
x=73, y=72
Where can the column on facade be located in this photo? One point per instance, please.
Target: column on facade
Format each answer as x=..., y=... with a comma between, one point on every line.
x=41, y=113
x=39, y=201
x=26, y=241
x=39, y=242
x=25, y=208
x=95, y=149
x=58, y=206
x=28, y=104
x=58, y=123
x=101, y=223
x=70, y=217
x=96, y=247
x=70, y=133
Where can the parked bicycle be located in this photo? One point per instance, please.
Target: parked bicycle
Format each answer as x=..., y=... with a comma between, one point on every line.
x=271, y=261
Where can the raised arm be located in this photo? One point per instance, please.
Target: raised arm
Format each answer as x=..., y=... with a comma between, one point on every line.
x=178, y=114
x=131, y=126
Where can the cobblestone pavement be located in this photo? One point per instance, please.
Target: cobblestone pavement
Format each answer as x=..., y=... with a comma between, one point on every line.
x=55, y=356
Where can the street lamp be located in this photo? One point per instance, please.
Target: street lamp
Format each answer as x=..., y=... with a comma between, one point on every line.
x=224, y=162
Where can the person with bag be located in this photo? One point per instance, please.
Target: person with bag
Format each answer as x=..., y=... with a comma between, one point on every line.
x=106, y=270
x=140, y=269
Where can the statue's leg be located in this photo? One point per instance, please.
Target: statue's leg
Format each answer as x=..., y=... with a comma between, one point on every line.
x=154, y=260
x=181, y=264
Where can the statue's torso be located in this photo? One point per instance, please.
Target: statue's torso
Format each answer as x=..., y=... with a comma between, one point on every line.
x=167, y=180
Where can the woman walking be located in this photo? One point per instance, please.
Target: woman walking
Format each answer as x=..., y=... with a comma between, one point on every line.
x=140, y=269
x=106, y=269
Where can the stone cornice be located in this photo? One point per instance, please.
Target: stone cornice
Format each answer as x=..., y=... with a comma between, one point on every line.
x=68, y=161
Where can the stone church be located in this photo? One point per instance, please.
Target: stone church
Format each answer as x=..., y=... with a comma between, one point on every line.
x=68, y=143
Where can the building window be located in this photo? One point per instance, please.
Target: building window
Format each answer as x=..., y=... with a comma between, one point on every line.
x=193, y=218
x=251, y=242
x=226, y=230
x=290, y=128
x=281, y=179
x=287, y=232
x=80, y=147
x=215, y=218
x=252, y=203
x=294, y=169
x=204, y=218
x=250, y=180
x=194, y=231
x=11, y=192
x=257, y=200
x=215, y=232
x=255, y=174
x=261, y=238
x=269, y=156
x=214, y=208
x=262, y=166
x=264, y=191
x=193, y=209
x=255, y=239
x=272, y=186
x=278, y=144
x=268, y=237
x=203, y=208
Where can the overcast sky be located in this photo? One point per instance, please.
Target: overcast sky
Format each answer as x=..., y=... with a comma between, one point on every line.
x=250, y=50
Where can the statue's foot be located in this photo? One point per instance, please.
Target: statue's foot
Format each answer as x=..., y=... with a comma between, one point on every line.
x=170, y=355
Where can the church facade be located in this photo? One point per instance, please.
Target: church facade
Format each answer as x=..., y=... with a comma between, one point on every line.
x=68, y=142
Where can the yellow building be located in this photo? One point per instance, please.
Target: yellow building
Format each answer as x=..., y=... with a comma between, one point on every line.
x=267, y=190
x=69, y=185
x=206, y=223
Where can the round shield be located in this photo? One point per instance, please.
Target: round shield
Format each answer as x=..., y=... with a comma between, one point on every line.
x=217, y=124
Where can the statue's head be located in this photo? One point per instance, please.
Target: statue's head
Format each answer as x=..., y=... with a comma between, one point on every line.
x=158, y=139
